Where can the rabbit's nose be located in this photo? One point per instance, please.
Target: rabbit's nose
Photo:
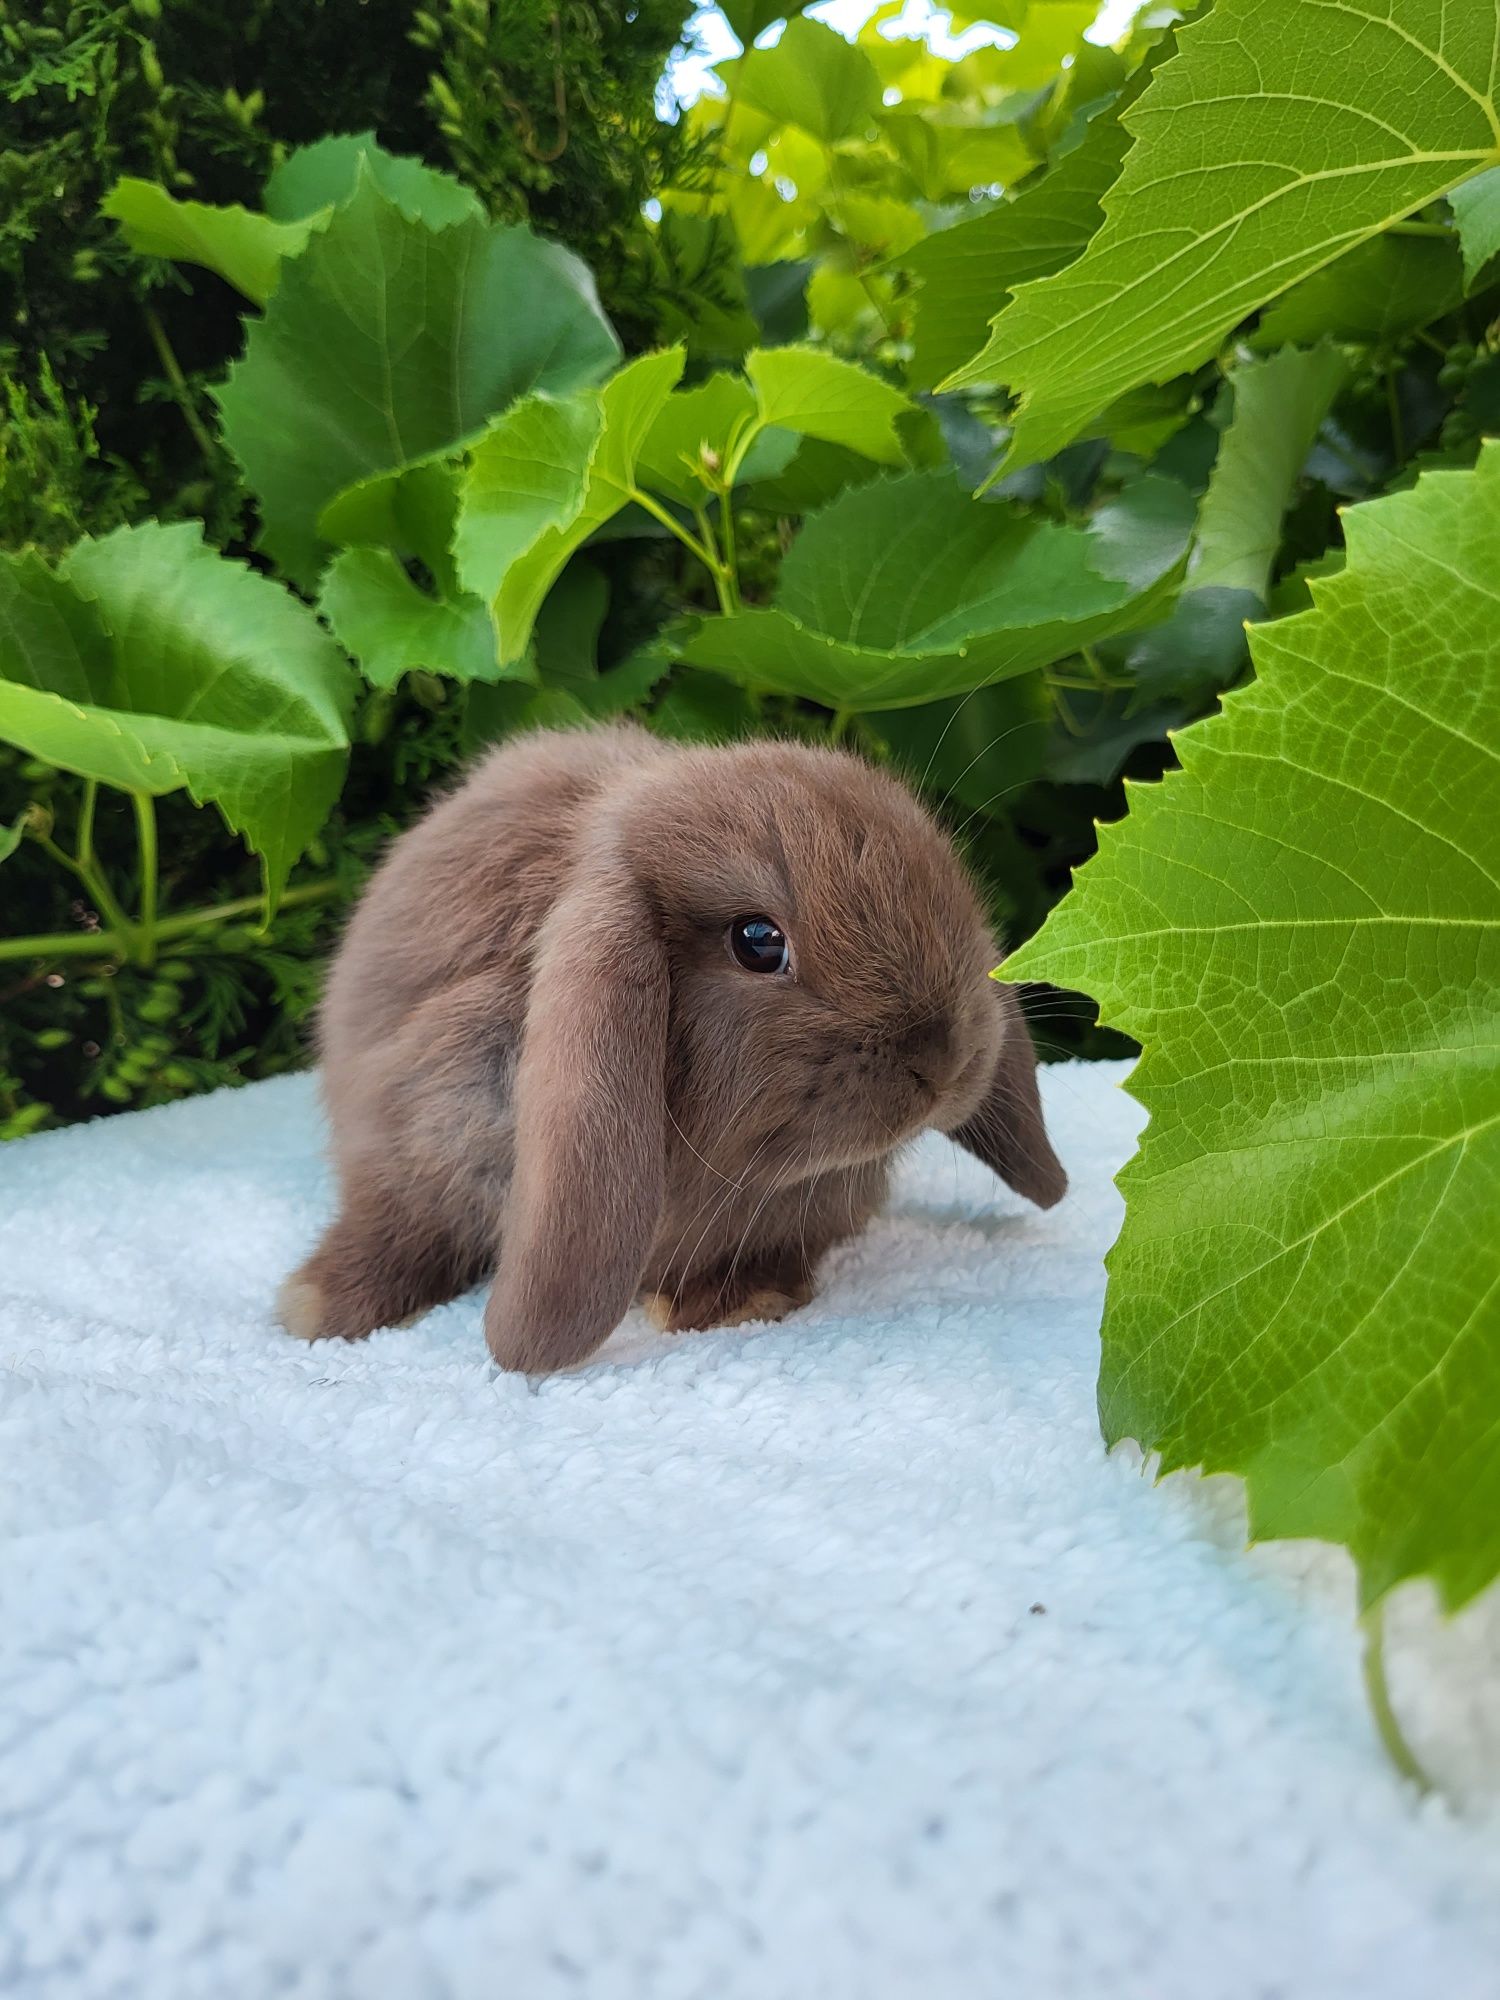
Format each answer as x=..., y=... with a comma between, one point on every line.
x=926, y=1049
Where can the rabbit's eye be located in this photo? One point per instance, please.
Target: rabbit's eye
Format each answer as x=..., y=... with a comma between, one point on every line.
x=758, y=945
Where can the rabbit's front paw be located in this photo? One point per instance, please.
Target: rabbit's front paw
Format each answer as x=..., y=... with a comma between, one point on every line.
x=737, y=1299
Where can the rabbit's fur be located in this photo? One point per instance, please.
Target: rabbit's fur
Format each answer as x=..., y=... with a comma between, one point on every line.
x=541, y=1059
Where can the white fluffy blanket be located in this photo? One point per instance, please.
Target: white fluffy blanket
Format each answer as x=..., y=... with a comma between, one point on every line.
x=828, y=1660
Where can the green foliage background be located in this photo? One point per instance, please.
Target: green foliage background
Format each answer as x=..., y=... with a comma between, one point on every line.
x=106, y=361
x=381, y=388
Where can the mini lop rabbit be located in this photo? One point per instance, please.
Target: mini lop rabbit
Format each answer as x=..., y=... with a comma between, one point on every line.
x=619, y=1017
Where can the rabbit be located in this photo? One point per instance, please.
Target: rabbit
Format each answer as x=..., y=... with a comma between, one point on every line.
x=623, y=1018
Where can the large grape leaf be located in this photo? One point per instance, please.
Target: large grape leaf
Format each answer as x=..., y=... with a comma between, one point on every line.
x=148, y=661
x=1302, y=928
x=907, y=590
x=388, y=340
x=970, y=271
x=1281, y=133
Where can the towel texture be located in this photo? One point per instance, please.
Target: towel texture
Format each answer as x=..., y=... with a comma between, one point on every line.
x=833, y=1659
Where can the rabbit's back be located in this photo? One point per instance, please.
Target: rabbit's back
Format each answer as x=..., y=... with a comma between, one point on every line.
x=464, y=890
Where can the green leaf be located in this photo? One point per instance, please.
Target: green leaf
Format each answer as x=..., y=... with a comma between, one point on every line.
x=543, y=478
x=566, y=641
x=969, y=272
x=392, y=628
x=326, y=174
x=1302, y=927
x=410, y=513
x=701, y=295
x=244, y=248
x=750, y=429
x=1293, y=592
x=1323, y=124
x=573, y=692
x=1198, y=651
x=671, y=458
x=388, y=341
x=749, y=19
x=1375, y=294
x=528, y=478
x=981, y=748
x=150, y=662
x=806, y=390
x=1279, y=405
x=1102, y=727
x=11, y=836
x=503, y=707
x=778, y=299
x=812, y=79
x=1476, y=205
x=626, y=686
x=703, y=708
x=908, y=591
x=248, y=249
x=810, y=478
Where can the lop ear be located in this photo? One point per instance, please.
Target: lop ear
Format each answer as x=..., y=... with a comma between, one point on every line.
x=1007, y=1132
x=586, y=1190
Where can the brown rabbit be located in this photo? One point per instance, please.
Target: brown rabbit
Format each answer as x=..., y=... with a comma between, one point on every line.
x=620, y=1016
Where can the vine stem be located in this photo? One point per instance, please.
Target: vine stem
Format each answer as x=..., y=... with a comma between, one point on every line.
x=731, y=558
x=1393, y=403
x=172, y=369
x=726, y=583
x=92, y=877
x=145, y=826
x=116, y=942
x=725, y=586
x=674, y=527
x=1377, y=1690
x=85, y=841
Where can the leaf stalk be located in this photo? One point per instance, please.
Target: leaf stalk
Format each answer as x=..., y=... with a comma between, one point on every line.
x=1378, y=1693
x=145, y=825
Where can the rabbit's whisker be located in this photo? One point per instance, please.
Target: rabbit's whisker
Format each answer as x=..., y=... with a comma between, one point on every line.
x=701, y=1158
x=773, y=1187
x=807, y=1192
x=726, y=1195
